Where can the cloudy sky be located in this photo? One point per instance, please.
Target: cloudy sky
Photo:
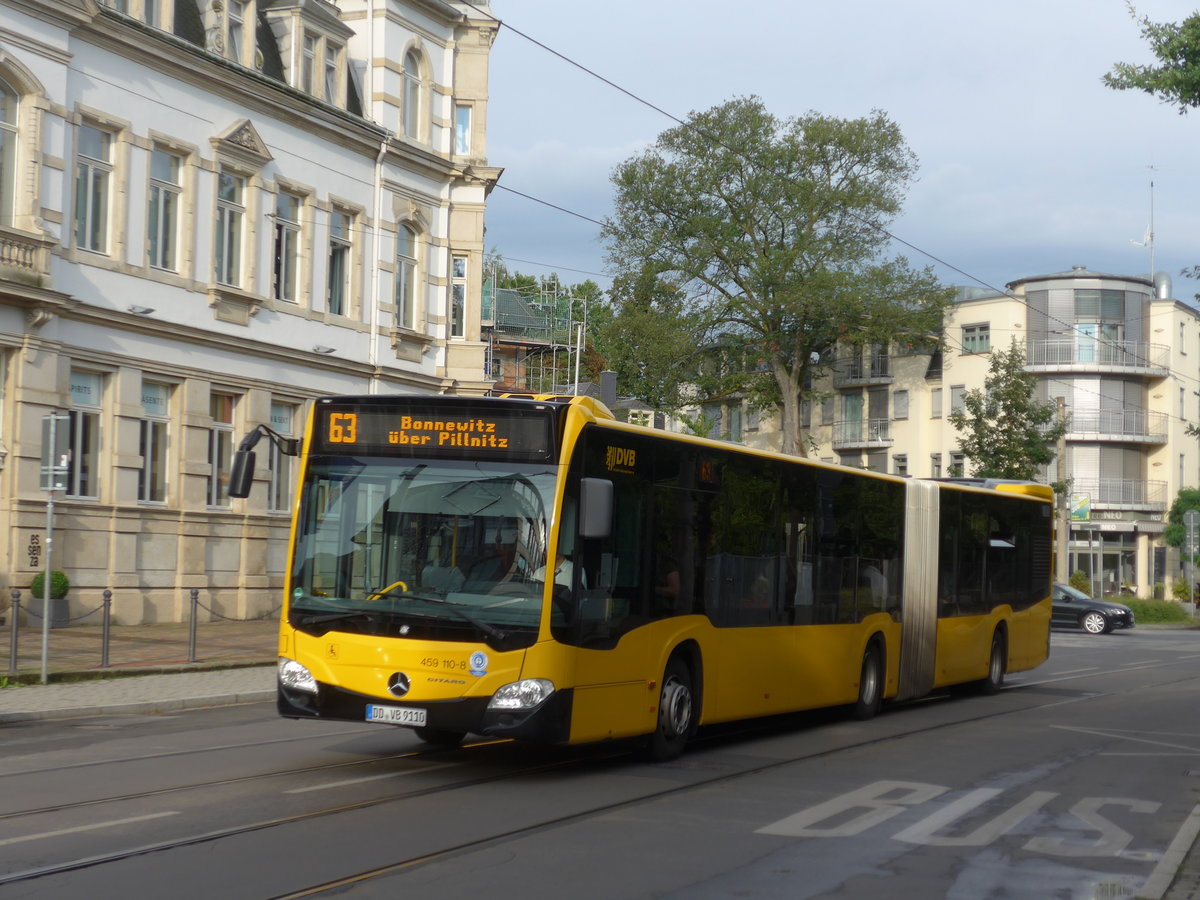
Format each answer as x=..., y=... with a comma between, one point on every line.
x=1028, y=164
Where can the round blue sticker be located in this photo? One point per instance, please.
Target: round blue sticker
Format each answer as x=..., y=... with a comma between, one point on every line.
x=478, y=663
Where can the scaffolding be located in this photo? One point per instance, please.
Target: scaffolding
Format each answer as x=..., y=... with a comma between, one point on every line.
x=534, y=339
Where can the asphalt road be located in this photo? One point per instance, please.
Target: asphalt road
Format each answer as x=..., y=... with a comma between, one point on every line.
x=1078, y=781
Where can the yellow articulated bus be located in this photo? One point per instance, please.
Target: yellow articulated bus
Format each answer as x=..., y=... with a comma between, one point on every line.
x=532, y=568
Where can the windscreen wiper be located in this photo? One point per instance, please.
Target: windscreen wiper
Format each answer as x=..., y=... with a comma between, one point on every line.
x=371, y=616
x=455, y=608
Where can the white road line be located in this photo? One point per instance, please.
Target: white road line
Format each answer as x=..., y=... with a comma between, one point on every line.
x=1164, y=873
x=93, y=827
x=348, y=781
x=1075, y=671
x=1119, y=735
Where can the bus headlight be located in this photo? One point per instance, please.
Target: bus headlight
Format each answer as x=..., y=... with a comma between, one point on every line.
x=522, y=694
x=295, y=676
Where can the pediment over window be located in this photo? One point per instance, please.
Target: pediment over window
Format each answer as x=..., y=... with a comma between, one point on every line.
x=242, y=144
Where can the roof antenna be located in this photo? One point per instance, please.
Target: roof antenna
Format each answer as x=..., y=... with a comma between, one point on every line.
x=1148, y=239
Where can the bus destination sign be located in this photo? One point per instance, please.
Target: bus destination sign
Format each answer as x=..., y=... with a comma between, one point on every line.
x=435, y=431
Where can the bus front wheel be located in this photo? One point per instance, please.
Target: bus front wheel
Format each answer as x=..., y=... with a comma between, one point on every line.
x=870, y=684
x=997, y=660
x=676, y=713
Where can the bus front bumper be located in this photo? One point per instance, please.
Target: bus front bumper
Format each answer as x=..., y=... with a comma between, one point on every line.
x=547, y=723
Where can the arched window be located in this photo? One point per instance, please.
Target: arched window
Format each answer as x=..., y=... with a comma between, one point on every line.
x=406, y=277
x=9, y=108
x=411, y=114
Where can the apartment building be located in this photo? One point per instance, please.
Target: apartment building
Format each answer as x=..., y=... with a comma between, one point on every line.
x=211, y=212
x=1120, y=350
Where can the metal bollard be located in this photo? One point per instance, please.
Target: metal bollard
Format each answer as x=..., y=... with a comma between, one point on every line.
x=14, y=613
x=192, y=625
x=104, y=628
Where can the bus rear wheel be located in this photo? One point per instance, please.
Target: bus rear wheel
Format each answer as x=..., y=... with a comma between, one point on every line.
x=997, y=661
x=870, y=684
x=440, y=737
x=676, y=713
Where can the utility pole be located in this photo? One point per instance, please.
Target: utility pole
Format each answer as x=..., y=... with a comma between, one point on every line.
x=1064, y=505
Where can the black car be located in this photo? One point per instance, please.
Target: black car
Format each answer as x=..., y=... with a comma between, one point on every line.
x=1075, y=609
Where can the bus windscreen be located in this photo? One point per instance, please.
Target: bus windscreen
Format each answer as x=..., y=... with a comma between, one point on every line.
x=433, y=428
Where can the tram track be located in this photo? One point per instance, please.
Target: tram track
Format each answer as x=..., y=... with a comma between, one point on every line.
x=564, y=760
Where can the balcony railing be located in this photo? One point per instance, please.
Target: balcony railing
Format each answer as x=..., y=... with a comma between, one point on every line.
x=1123, y=492
x=1093, y=352
x=854, y=369
x=24, y=257
x=862, y=433
x=1118, y=424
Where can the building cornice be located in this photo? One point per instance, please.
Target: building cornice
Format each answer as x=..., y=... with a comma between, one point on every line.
x=254, y=92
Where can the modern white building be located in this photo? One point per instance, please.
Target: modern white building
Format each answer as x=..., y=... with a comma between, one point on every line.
x=1121, y=351
x=212, y=211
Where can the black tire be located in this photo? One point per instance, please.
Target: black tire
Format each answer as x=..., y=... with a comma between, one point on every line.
x=870, y=684
x=997, y=663
x=676, y=713
x=440, y=737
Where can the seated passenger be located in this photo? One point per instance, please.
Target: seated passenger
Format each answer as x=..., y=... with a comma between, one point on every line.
x=442, y=578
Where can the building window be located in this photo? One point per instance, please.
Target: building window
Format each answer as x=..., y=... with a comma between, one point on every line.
x=976, y=338
x=935, y=465
x=462, y=130
x=411, y=113
x=231, y=211
x=956, y=464
x=237, y=29
x=754, y=417
x=220, y=448
x=900, y=464
x=10, y=105
x=333, y=66
x=935, y=403
x=162, y=226
x=93, y=175
x=958, y=394
x=83, y=466
x=279, y=492
x=152, y=476
x=458, y=296
x=406, y=277
x=150, y=13
x=826, y=410
x=308, y=63
x=900, y=405
x=287, y=246
x=340, y=225
x=735, y=423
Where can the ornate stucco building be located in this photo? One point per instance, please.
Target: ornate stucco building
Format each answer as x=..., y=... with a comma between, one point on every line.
x=212, y=211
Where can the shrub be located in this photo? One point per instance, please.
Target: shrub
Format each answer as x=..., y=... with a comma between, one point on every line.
x=1081, y=582
x=1182, y=591
x=1151, y=612
x=59, y=585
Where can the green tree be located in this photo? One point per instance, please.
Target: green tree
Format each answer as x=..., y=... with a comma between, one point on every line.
x=1177, y=47
x=775, y=232
x=1006, y=432
x=1175, y=534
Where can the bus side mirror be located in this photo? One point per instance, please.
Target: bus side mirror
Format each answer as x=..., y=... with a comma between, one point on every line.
x=595, y=507
x=241, y=474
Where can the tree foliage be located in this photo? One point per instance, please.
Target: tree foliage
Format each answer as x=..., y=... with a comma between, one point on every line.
x=1177, y=47
x=1006, y=432
x=773, y=233
x=1175, y=534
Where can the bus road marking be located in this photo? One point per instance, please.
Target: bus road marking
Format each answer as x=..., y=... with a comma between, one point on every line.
x=854, y=812
x=329, y=785
x=78, y=828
